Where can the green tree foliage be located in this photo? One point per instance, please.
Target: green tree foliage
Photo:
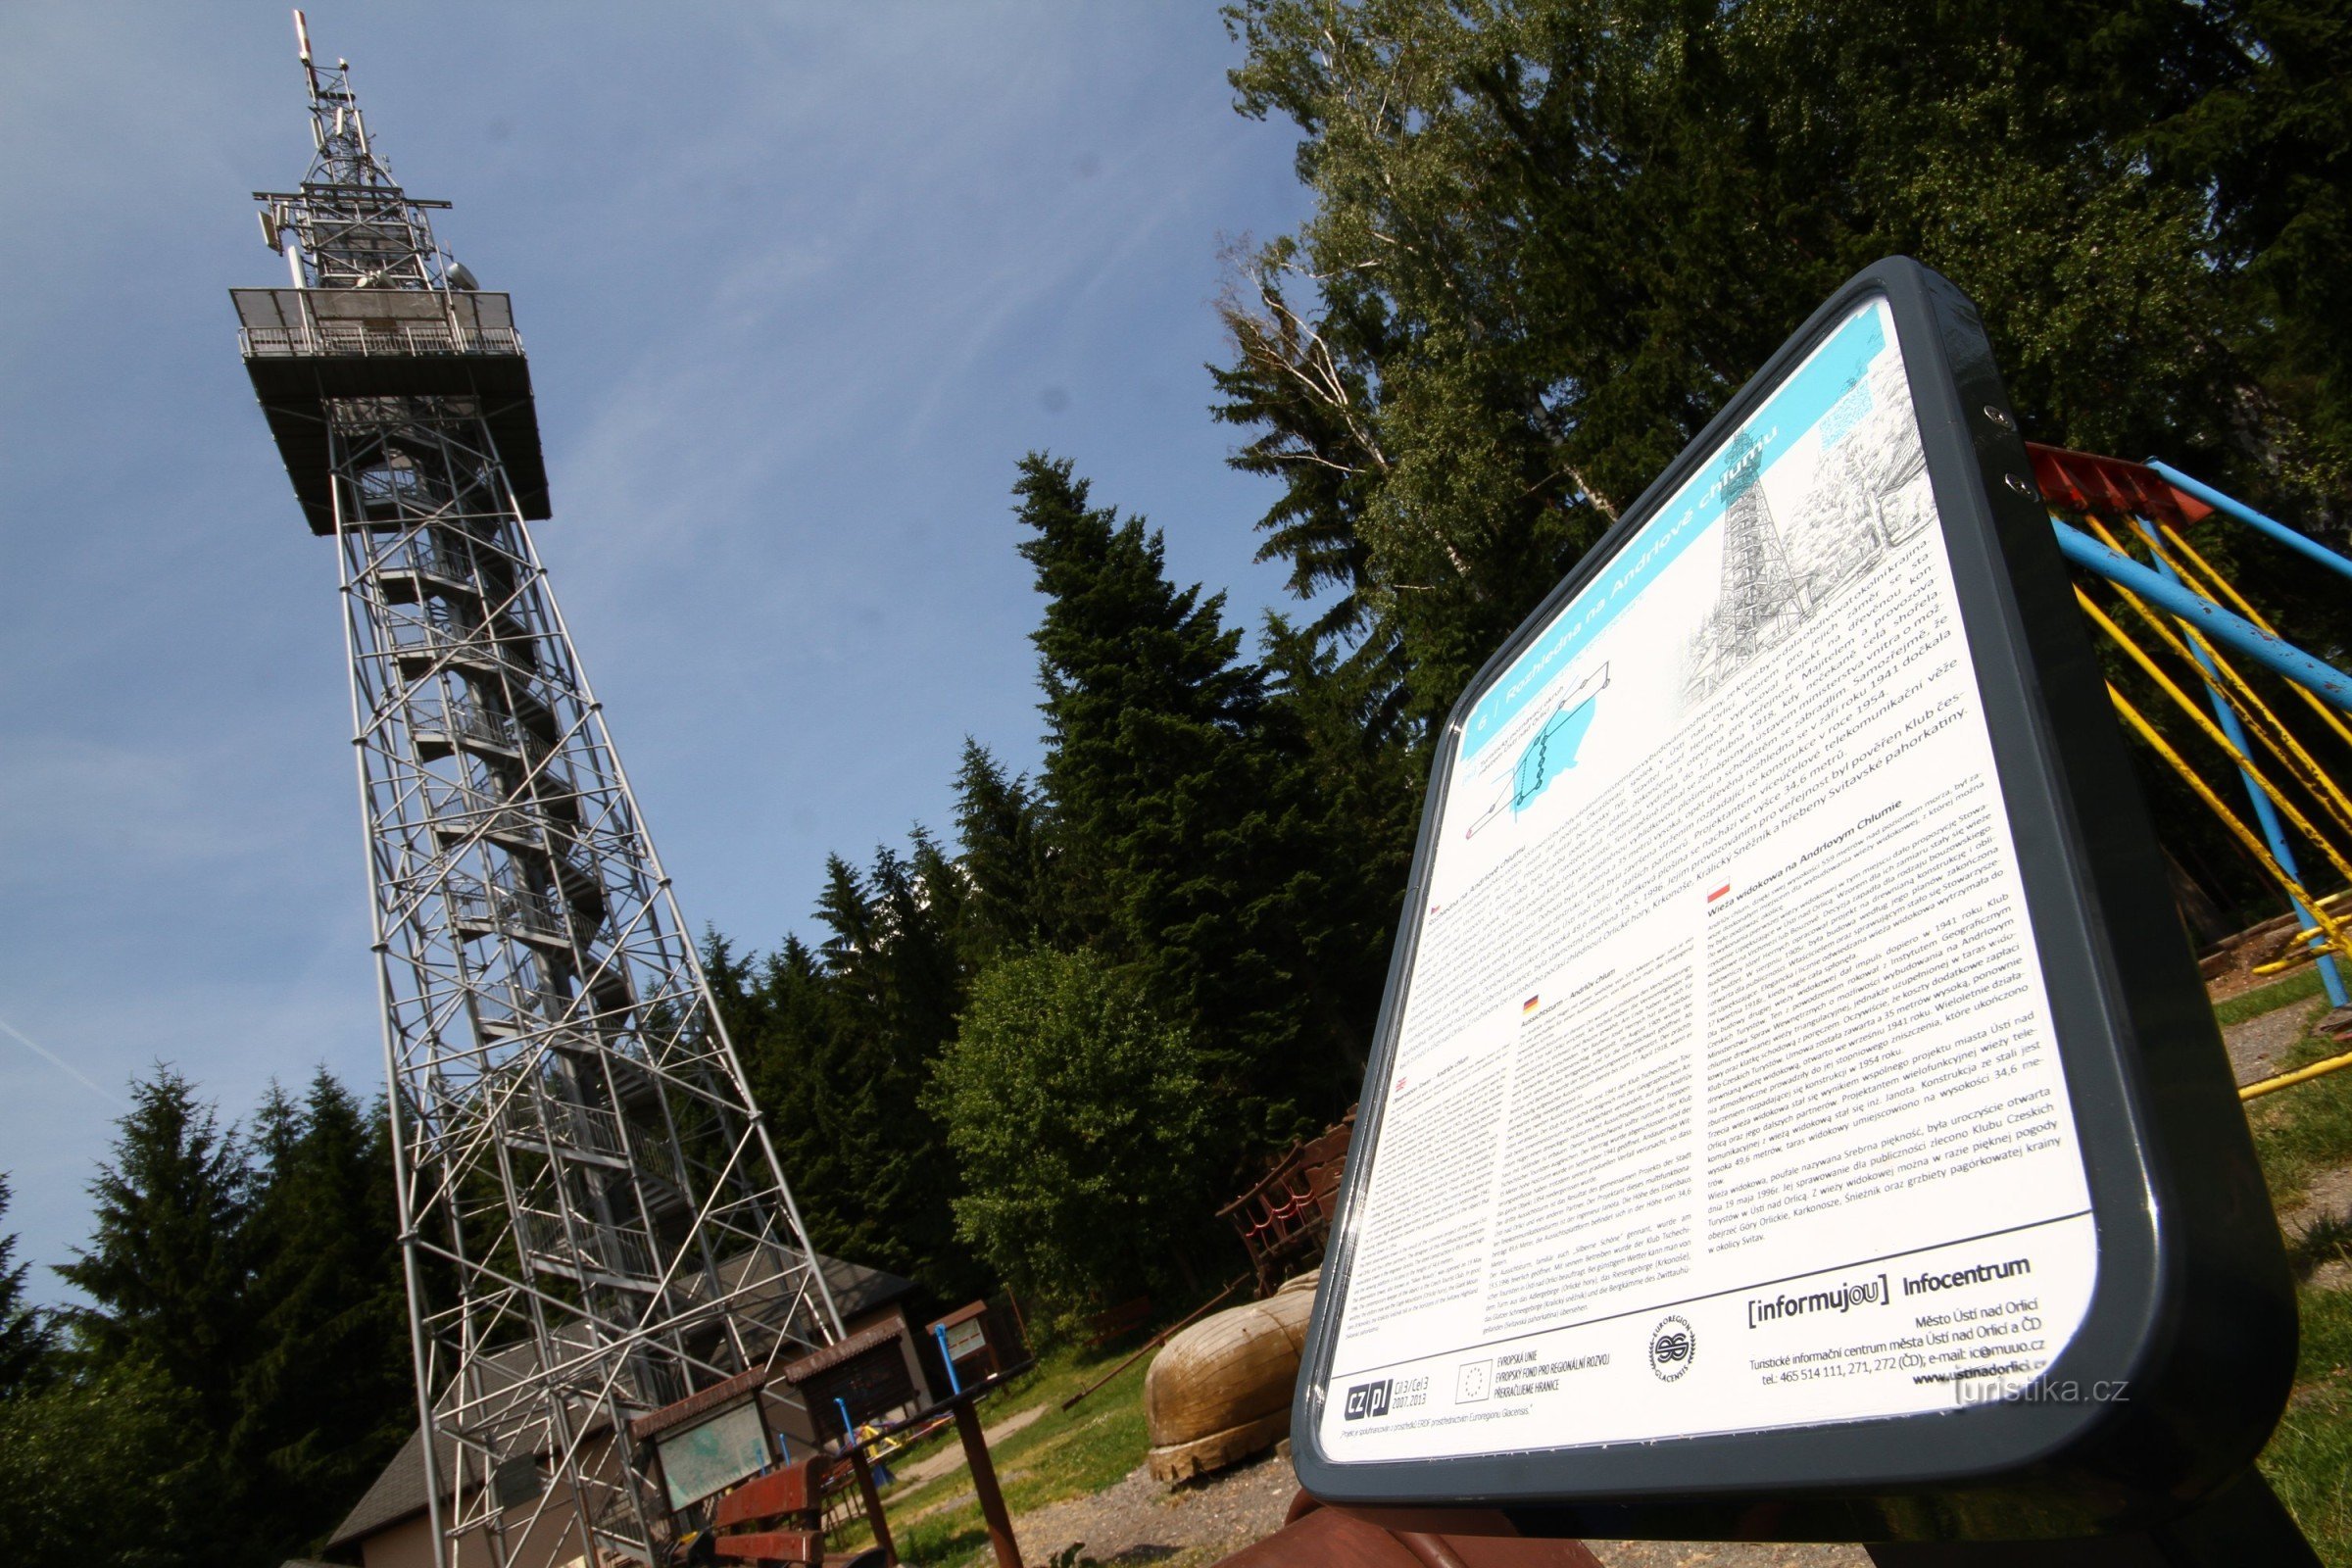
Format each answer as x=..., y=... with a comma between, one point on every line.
x=107, y=1464
x=166, y=1267
x=245, y=1351
x=783, y=1026
x=1080, y=1118
x=1184, y=811
x=1551, y=236
x=838, y=1043
x=327, y=1394
x=27, y=1334
x=1007, y=863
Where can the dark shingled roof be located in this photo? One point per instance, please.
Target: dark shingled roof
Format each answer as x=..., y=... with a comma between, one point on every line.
x=859, y=1290
x=398, y=1492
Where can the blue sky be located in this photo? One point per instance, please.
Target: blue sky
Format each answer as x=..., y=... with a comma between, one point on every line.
x=800, y=284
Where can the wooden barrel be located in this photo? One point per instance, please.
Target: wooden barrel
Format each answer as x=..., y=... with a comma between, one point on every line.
x=1220, y=1391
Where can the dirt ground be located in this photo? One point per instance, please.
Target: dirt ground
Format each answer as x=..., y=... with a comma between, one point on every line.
x=2259, y=1046
x=1141, y=1520
x=2245, y=949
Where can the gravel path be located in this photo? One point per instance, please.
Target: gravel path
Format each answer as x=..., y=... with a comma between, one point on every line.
x=1141, y=1521
x=950, y=1458
x=2259, y=1044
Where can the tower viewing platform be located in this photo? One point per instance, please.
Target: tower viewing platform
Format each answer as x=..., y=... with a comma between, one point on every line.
x=304, y=347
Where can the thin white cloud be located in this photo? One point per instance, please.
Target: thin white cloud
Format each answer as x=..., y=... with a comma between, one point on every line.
x=59, y=1063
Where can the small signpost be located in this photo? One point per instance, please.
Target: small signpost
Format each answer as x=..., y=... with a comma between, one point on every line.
x=963, y=1344
x=865, y=1375
x=1795, y=1113
x=847, y=1384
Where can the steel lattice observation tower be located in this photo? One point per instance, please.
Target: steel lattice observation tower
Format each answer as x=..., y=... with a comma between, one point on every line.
x=592, y=1220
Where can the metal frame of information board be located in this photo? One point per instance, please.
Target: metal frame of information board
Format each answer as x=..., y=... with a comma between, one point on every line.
x=2192, y=1308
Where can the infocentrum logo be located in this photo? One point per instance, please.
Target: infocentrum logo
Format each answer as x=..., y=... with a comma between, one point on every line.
x=1673, y=1346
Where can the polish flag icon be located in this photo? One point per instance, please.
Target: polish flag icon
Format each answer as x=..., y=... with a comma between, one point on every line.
x=1719, y=893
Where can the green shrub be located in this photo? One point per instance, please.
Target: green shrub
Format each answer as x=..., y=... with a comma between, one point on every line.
x=1078, y=1117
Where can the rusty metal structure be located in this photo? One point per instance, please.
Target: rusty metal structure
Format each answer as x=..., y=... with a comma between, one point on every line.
x=1285, y=1217
x=593, y=1219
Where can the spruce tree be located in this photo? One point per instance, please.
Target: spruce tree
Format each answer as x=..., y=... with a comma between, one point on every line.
x=782, y=1023
x=895, y=983
x=166, y=1271
x=1183, y=817
x=28, y=1336
x=328, y=1393
x=165, y=1268
x=1007, y=860
x=837, y=1043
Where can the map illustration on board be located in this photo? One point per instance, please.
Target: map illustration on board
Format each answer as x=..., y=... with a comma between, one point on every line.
x=1551, y=750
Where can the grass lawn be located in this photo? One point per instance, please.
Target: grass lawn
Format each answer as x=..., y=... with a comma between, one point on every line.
x=2304, y=982
x=2298, y=1133
x=1059, y=1454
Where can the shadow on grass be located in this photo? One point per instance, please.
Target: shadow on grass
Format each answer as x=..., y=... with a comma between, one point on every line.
x=2325, y=1240
x=2299, y=1133
x=934, y=1541
x=2301, y=1130
x=2309, y=1458
x=2267, y=998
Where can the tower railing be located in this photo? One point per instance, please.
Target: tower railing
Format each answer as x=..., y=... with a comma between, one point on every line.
x=399, y=338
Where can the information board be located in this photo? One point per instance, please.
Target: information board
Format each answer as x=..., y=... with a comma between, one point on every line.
x=964, y=1339
x=713, y=1454
x=1721, y=1092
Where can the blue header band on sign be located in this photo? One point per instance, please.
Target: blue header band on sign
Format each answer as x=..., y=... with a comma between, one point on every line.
x=1773, y=431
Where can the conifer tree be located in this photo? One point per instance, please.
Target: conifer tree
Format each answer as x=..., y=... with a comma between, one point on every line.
x=327, y=1394
x=166, y=1271
x=167, y=1265
x=837, y=1043
x=1005, y=859
x=1183, y=817
x=782, y=1023
x=28, y=1336
x=896, y=983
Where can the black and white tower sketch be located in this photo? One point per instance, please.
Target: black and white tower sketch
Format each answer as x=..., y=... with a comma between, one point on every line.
x=592, y=1220
x=1866, y=498
x=1761, y=596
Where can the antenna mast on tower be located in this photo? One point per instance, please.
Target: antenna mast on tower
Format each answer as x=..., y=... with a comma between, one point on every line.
x=593, y=1221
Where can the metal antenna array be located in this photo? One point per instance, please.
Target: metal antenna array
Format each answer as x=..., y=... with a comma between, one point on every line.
x=594, y=1224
